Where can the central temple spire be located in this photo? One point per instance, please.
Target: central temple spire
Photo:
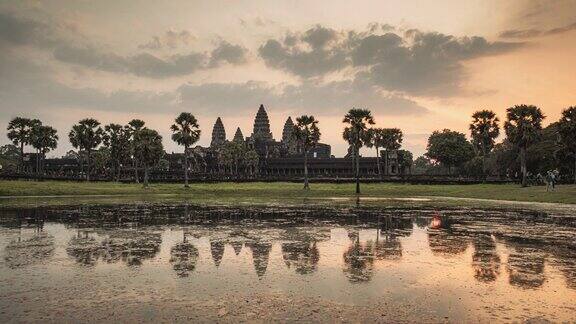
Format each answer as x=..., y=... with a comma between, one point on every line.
x=218, y=133
x=262, y=125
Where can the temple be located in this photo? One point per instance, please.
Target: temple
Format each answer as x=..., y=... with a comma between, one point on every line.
x=262, y=141
x=258, y=156
x=282, y=158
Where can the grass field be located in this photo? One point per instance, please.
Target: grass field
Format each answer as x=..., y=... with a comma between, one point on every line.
x=280, y=190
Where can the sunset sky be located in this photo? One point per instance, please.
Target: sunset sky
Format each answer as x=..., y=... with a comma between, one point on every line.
x=419, y=65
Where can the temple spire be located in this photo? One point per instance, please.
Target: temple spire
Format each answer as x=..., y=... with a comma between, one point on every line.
x=262, y=125
x=238, y=137
x=218, y=133
x=287, y=131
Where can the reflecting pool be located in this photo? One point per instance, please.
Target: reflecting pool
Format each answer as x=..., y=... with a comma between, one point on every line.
x=285, y=263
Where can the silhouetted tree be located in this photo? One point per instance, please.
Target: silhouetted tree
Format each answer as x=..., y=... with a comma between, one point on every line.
x=357, y=134
x=19, y=132
x=86, y=136
x=135, y=125
x=43, y=139
x=391, y=140
x=185, y=132
x=405, y=160
x=307, y=134
x=484, y=130
x=523, y=127
x=567, y=131
x=148, y=150
x=117, y=140
x=100, y=161
x=376, y=141
x=450, y=148
x=9, y=157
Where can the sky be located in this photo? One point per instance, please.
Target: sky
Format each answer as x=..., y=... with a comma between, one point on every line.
x=418, y=65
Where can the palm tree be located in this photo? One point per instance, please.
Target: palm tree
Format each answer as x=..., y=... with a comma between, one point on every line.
x=391, y=140
x=134, y=126
x=523, y=127
x=43, y=139
x=148, y=150
x=484, y=130
x=376, y=142
x=86, y=136
x=567, y=130
x=19, y=132
x=117, y=139
x=185, y=132
x=307, y=134
x=357, y=134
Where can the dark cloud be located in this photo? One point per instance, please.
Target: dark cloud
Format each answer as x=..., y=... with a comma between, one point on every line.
x=29, y=89
x=15, y=30
x=530, y=33
x=560, y=30
x=171, y=39
x=151, y=66
x=416, y=62
x=421, y=63
x=228, y=53
x=22, y=31
x=143, y=64
x=520, y=33
x=319, y=37
x=313, y=53
x=325, y=98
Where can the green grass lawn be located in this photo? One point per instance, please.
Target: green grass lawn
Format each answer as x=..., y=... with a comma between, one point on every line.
x=280, y=190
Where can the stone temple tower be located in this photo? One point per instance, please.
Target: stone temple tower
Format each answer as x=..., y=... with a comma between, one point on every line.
x=289, y=142
x=238, y=137
x=218, y=133
x=287, y=131
x=262, y=125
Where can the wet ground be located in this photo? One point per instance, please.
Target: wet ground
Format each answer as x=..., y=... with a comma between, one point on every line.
x=325, y=262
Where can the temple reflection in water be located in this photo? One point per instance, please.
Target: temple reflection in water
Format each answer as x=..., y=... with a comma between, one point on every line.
x=357, y=245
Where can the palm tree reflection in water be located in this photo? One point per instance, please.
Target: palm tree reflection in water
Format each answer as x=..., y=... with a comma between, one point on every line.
x=485, y=260
x=184, y=256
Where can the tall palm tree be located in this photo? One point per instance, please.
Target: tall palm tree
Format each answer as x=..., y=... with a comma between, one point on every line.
x=19, y=132
x=307, y=134
x=86, y=136
x=43, y=139
x=148, y=150
x=375, y=136
x=185, y=132
x=484, y=130
x=134, y=126
x=357, y=134
x=523, y=127
x=567, y=130
x=391, y=140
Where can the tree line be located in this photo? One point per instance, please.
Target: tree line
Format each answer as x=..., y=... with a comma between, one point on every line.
x=141, y=148
x=526, y=142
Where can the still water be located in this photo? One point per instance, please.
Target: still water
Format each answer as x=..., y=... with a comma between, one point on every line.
x=310, y=263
